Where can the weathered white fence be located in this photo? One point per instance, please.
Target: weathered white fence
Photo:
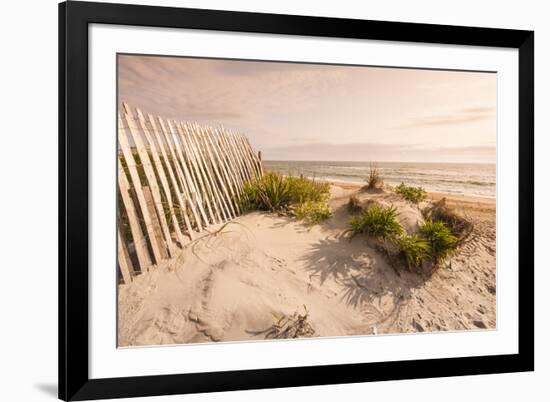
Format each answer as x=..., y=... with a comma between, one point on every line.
x=174, y=180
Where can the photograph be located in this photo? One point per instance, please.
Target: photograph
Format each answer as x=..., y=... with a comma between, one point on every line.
x=262, y=200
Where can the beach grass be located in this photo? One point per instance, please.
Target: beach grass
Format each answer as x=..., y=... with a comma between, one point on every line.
x=377, y=222
x=442, y=242
x=291, y=195
x=460, y=226
x=312, y=211
x=412, y=194
x=374, y=180
x=414, y=249
x=432, y=240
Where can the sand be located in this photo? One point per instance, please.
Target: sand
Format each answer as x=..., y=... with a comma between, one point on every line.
x=257, y=275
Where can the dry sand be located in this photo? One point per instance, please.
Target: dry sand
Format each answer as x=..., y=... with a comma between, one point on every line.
x=237, y=284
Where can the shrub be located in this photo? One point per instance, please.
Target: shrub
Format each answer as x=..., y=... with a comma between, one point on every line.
x=303, y=189
x=414, y=249
x=412, y=194
x=298, y=196
x=459, y=225
x=374, y=180
x=312, y=211
x=442, y=241
x=377, y=222
x=269, y=193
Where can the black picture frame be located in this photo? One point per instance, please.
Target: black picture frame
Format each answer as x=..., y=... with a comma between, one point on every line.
x=74, y=18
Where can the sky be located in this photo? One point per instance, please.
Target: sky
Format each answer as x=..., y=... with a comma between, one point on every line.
x=294, y=111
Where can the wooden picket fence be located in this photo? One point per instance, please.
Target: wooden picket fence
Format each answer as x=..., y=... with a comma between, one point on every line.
x=175, y=179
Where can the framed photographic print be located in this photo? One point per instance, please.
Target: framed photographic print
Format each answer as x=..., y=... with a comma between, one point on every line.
x=257, y=200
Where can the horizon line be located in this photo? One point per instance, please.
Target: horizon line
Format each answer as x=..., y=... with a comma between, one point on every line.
x=374, y=162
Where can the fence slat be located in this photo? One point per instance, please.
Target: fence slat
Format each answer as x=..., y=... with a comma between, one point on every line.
x=179, y=174
x=133, y=220
x=231, y=156
x=177, y=193
x=223, y=210
x=209, y=194
x=207, y=147
x=238, y=157
x=199, y=183
x=134, y=175
x=174, y=180
x=211, y=138
x=124, y=263
x=193, y=196
x=215, y=183
x=156, y=202
x=254, y=156
x=162, y=175
x=244, y=156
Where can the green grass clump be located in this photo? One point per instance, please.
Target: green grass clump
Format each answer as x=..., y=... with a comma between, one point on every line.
x=303, y=190
x=377, y=222
x=414, y=249
x=374, y=180
x=269, y=193
x=442, y=241
x=312, y=211
x=412, y=194
x=460, y=226
x=294, y=195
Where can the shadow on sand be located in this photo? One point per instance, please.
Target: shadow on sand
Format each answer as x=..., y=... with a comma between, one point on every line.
x=364, y=273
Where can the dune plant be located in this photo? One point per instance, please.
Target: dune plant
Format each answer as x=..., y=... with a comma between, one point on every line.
x=414, y=249
x=312, y=211
x=290, y=326
x=269, y=193
x=442, y=241
x=411, y=194
x=293, y=195
x=461, y=227
x=303, y=189
x=374, y=180
x=377, y=222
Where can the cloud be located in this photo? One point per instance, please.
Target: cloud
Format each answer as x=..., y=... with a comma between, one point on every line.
x=216, y=88
x=466, y=115
x=294, y=111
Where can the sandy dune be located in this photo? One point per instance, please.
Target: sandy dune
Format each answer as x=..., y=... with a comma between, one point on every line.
x=239, y=283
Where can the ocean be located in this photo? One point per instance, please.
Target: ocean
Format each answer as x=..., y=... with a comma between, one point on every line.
x=460, y=178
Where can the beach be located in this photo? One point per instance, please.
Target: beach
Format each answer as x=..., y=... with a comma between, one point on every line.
x=241, y=280
x=475, y=179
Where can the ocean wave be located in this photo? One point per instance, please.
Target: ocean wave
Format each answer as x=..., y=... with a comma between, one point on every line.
x=464, y=179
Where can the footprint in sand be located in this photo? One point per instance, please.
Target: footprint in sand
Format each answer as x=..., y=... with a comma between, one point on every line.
x=480, y=324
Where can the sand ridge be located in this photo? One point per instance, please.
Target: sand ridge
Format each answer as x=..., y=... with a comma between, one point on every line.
x=240, y=282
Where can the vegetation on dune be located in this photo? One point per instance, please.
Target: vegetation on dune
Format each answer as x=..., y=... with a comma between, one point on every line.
x=377, y=222
x=374, y=180
x=291, y=326
x=442, y=241
x=412, y=194
x=293, y=195
x=268, y=193
x=414, y=249
x=304, y=189
x=312, y=211
x=434, y=241
x=461, y=227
